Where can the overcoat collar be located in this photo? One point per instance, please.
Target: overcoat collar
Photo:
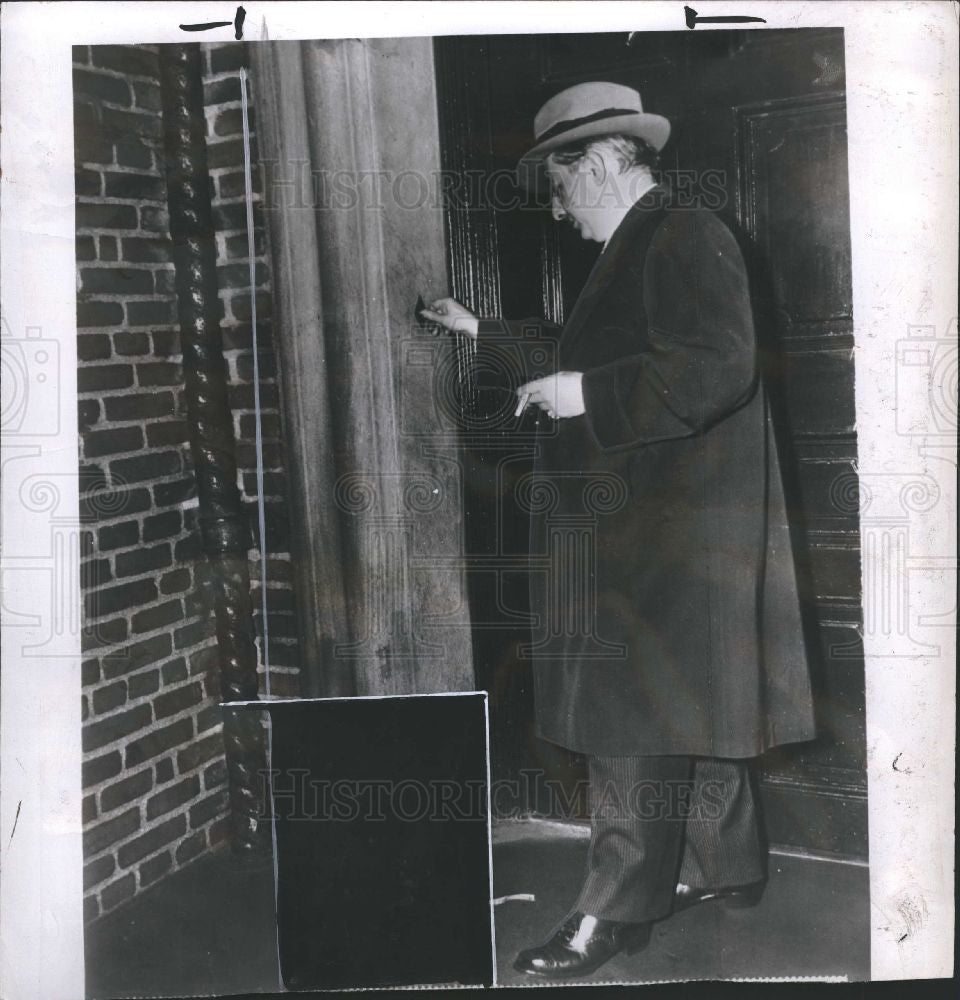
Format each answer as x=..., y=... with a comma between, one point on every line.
x=608, y=263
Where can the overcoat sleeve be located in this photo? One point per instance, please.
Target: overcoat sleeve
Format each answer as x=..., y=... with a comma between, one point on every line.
x=699, y=361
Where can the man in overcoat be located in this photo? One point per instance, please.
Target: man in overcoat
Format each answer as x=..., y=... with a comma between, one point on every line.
x=672, y=647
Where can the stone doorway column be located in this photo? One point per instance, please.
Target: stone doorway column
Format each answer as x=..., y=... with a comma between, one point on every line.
x=350, y=146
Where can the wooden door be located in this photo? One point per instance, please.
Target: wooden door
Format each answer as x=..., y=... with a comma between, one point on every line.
x=759, y=131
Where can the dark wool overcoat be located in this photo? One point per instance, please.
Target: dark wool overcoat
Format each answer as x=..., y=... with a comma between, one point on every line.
x=662, y=574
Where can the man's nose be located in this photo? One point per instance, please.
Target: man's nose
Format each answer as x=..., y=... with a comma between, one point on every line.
x=557, y=209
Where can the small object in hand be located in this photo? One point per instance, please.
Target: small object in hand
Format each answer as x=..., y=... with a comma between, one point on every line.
x=522, y=405
x=420, y=321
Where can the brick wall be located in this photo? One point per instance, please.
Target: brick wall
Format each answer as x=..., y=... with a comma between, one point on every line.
x=153, y=769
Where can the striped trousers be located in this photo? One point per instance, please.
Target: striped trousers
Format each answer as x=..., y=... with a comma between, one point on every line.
x=656, y=821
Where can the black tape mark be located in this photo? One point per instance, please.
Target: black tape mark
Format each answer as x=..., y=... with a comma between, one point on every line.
x=16, y=819
x=693, y=18
x=237, y=23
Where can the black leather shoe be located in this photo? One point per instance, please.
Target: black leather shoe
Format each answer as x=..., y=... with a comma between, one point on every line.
x=556, y=959
x=735, y=897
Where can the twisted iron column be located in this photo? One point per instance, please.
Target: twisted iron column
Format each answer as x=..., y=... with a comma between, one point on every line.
x=222, y=523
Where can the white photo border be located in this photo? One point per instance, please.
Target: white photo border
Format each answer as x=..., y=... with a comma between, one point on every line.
x=902, y=107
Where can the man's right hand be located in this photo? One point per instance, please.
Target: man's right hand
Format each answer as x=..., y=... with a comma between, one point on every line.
x=453, y=316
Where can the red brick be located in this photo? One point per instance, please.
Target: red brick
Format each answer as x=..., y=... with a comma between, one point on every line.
x=172, y=797
x=97, y=634
x=115, y=727
x=144, y=467
x=133, y=152
x=90, y=145
x=228, y=122
x=133, y=60
x=98, y=378
x=98, y=871
x=154, y=219
x=116, y=536
x=150, y=312
x=238, y=276
x=219, y=832
x=221, y=91
x=228, y=57
x=205, y=661
x=142, y=406
x=175, y=582
x=151, y=870
x=89, y=672
x=95, y=573
x=128, y=790
x=160, y=740
x=215, y=775
x=206, y=809
x=270, y=424
x=167, y=494
x=112, y=89
x=156, y=617
x=108, y=248
x=91, y=314
x=175, y=671
x=88, y=413
x=118, y=892
x=88, y=811
x=134, y=186
x=86, y=249
x=159, y=373
x=99, y=216
x=131, y=343
x=112, y=599
x=106, y=699
x=136, y=655
x=195, y=632
x=140, y=685
x=103, y=835
x=238, y=246
x=209, y=717
x=151, y=841
x=146, y=250
x=191, y=847
x=171, y=702
x=142, y=560
x=119, y=122
x=115, y=281
x=188, y=549
x=114, y=502
x=224, y=153
x=199, y=753
x=114, y=441
x=147, y=95
x=93, y=347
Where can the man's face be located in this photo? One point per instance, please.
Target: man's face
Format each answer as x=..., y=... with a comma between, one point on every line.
x=573, y=196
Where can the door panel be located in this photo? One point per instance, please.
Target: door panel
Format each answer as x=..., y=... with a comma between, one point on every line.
x=758, y=116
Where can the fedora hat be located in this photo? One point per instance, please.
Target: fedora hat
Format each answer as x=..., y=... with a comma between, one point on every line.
x=588, y=111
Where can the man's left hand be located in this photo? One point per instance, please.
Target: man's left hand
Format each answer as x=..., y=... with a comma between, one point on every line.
x=559, y=395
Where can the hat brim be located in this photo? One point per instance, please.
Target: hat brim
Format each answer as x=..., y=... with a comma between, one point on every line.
x=654, y=129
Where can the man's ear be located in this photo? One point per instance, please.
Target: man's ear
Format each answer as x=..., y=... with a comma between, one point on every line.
x=596, y=166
